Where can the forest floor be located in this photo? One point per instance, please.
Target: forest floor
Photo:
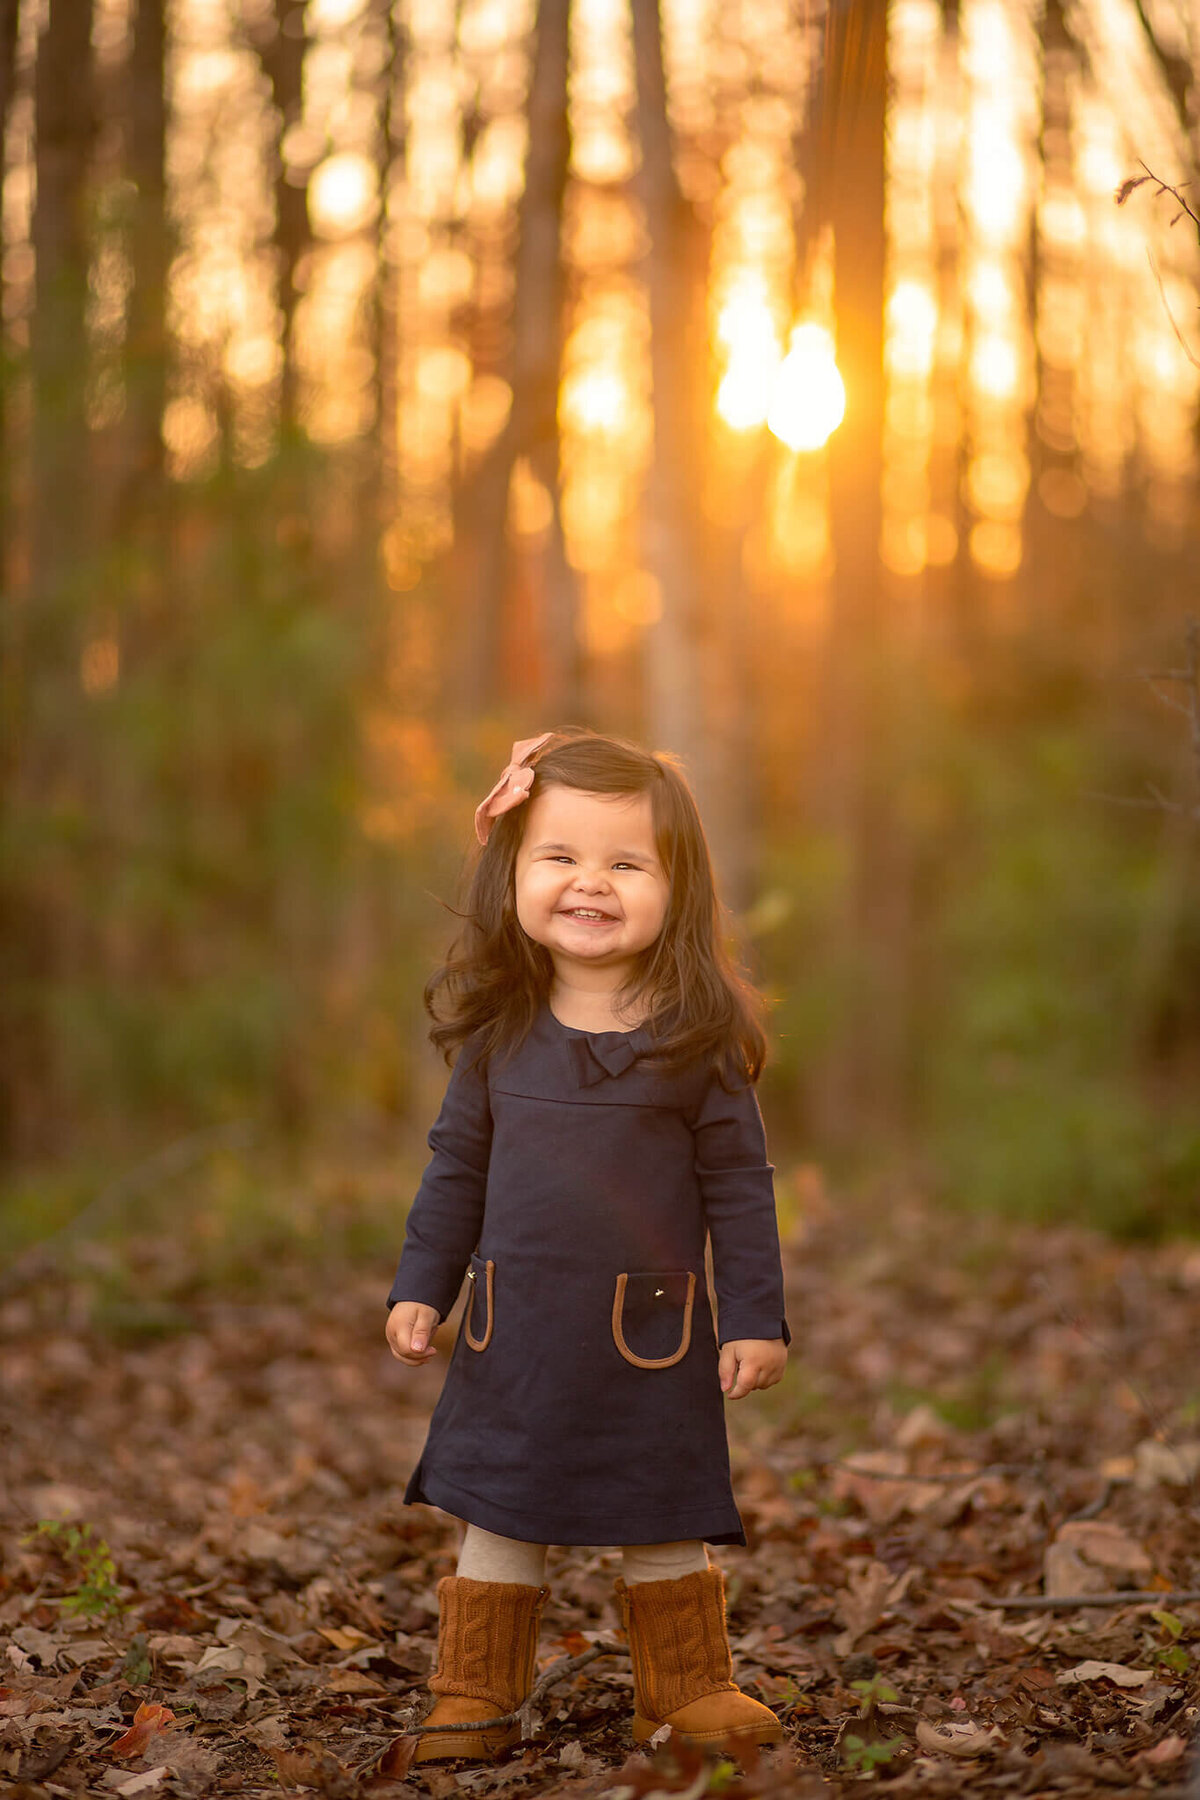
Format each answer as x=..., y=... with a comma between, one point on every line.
x=209, y=1583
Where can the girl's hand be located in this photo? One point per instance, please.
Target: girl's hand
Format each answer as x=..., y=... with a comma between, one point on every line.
x=750, y=1363
x=410, y=1326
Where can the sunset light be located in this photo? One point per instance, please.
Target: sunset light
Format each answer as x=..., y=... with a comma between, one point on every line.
x=746, y=328
x=809, y=400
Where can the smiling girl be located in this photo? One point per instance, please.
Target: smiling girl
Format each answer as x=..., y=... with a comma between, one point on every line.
x=600, y=1126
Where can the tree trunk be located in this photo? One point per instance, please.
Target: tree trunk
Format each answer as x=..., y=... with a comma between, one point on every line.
x=857, y=1087
x=384, y=310
x=146, y=334
x=44, y=637
x=8, y=64
x=676, y=713
x=282, y=57
x=66, y=125
x=532, y=428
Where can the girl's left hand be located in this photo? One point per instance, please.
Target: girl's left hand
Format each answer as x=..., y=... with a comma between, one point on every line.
x=750, y=1363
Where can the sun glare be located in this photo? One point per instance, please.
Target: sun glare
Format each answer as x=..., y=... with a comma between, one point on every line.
x=746, y=328
x=809, y=400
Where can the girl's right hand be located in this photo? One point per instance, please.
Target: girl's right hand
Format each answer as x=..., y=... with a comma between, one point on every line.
x=410, y=1328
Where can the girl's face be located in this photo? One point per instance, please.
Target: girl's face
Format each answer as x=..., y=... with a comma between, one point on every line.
x=589, y=883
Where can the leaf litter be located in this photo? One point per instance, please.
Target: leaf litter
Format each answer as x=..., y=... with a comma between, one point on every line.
x=970, y=1418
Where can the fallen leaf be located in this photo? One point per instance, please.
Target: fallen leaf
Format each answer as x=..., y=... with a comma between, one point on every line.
x=1169, y=1750
x=149, y=1719
x=229, y=1659
x=1088, y=1556
x=344, y=1637
x=173, y=1647
x=397, y=1758
x=293, y=1769
x=38, y=1644
x=862, y=1602
x=1172, y=1465
x=353, y=1681
x=269, y=1733
x=142, y=1783
x=958, y=1737
x=1117, y=1673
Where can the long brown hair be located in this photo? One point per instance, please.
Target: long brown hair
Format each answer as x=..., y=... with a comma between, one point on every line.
x=495, y=979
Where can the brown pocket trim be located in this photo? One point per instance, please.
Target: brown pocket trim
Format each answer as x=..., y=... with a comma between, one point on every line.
x=480, y=1343
x=651, y=1362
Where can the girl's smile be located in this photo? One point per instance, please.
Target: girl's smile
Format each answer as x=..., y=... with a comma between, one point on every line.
x=590, y=886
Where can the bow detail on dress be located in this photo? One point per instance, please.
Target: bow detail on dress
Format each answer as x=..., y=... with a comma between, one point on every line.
x=597, y=1055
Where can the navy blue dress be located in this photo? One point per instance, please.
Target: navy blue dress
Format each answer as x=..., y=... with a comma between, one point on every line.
x=575, y=1186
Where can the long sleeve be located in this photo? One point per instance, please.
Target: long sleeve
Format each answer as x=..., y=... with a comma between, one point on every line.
x=445, y=1218
x=739, y=1203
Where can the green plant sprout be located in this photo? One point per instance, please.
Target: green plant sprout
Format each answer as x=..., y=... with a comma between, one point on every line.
x=863, y=1753
x=865, y=1757
x=88, y=1557
x=1171, y=1655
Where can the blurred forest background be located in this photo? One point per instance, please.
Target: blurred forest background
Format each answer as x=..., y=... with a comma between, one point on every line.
x=383, y=380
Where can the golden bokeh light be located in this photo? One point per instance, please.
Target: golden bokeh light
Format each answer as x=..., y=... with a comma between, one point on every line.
x=809, y=401
x=746, y=331
x=996, y=548
x=342, y=195
x=594, y=400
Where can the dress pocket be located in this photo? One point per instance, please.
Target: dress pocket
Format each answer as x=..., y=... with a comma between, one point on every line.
x=652, y=1317
x=477, y=1326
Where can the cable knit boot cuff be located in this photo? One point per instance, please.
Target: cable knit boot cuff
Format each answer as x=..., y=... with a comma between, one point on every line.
x=487, y=1658
x=682, y=1670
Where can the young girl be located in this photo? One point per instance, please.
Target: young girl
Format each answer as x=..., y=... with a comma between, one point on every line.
x=599, y=1125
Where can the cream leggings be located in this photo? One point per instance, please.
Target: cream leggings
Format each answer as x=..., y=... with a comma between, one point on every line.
x=486, y=1557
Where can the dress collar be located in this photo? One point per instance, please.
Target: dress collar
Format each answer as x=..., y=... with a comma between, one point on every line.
x=597, y=1055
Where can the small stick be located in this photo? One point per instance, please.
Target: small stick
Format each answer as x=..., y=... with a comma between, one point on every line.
x=1054, y=1602
x=569, y=1665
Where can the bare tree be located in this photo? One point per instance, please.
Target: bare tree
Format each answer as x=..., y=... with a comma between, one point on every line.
x=281, y=51
x=8, y=63
x=860, y=1082
x=146, y=333
x=532, y=426
x=42, y=637
x=676, y=272
x=66, y=126
x=384, y=322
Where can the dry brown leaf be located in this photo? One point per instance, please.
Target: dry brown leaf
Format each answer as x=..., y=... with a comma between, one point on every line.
x=861, y=1603
x=269, y=1733
x=1089, y=1556
x=1117, y=1673
x=229, y=1659
x=1172, y=1465
x=143, y=1783
x=959, y=1737
x=1169, y=1750
x=880, y=1490
x=353, y=1681
x=344, y=1637
x=397, y=1758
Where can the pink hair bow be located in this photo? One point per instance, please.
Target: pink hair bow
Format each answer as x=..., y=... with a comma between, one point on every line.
x=512, y=787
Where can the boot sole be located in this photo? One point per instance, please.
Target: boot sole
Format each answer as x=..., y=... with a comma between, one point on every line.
x=464, y=1746
x=753, y=1734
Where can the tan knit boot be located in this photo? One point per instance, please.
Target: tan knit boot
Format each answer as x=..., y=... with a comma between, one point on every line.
x=682, y=1672
x=487, y=1655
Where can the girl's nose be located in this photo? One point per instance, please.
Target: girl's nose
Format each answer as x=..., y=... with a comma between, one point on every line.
x=591, y=879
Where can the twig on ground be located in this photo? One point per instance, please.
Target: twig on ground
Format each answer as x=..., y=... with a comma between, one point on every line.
x=1061, y=1602
x=567, y=1665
